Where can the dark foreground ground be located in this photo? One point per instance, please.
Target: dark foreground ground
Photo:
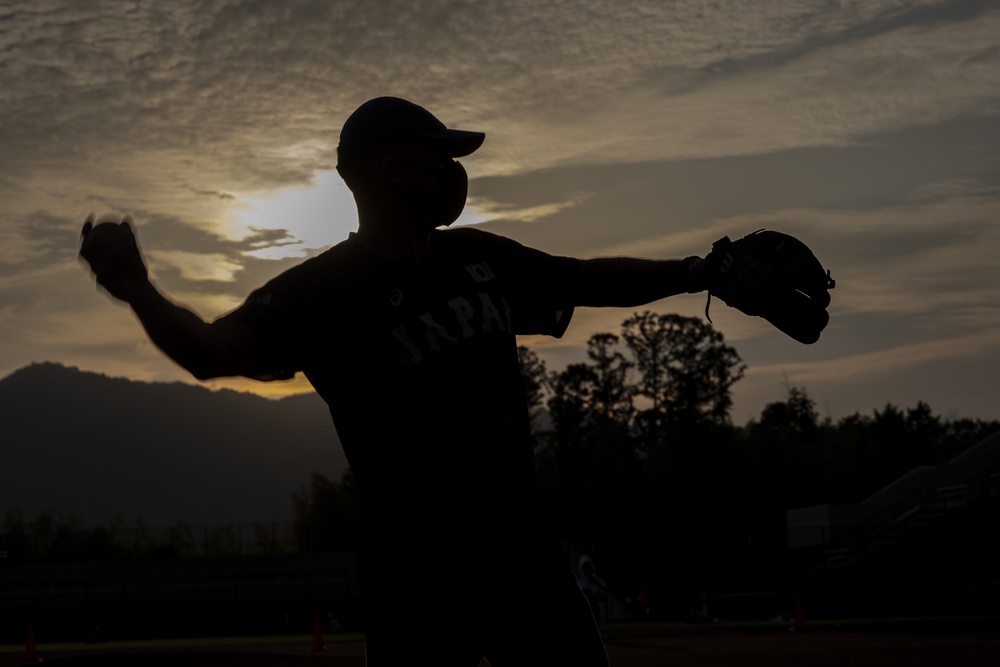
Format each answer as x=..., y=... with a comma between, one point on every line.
x=958, y=642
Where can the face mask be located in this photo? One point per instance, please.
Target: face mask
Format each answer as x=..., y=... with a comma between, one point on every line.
x=444, y=207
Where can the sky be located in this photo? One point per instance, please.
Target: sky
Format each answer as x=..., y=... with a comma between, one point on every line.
x=868, y=129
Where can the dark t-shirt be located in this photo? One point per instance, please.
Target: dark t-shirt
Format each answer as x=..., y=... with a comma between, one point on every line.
x=419, y=367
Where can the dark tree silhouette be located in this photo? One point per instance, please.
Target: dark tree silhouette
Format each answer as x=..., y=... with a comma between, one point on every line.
x=565, y=457
x=686, y=370
x=325, y=513
x=588, y=455
x=612, y=395
x=796, y=415
x=534, y=376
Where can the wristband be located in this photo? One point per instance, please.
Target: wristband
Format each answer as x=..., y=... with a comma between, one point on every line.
x=692, y=271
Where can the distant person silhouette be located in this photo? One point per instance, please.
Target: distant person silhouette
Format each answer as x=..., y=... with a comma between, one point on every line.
x=408, y=332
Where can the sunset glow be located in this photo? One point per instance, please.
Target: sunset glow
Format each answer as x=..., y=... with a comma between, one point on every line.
x=869, y=129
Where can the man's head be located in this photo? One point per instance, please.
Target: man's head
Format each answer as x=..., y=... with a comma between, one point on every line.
x=393, y=150
x=384, y=121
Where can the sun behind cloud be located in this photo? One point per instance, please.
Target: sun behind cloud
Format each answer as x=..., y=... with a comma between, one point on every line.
x=317, y=217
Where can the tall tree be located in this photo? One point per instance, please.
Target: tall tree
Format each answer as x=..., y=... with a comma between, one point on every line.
x=616, y=454
x=611, y=398
x=326, y=513
x=687, y=371
x=590, y=455
x=534, y=378
x=796, y=415
x=570, y=409
x=781, y=456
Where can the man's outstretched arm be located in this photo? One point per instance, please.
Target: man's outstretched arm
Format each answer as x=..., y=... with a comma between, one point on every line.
x=628, y=282
x=203, y=349
x=206, y=350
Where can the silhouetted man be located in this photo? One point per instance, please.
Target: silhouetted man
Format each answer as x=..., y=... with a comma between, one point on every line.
x=408, y=332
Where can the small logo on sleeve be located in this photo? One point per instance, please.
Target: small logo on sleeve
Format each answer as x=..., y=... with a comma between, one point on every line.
x=480, y=272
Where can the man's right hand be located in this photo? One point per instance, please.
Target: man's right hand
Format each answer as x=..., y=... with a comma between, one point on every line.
x=113, y=255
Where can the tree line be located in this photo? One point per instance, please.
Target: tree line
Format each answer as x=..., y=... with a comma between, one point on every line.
x=54, y=535
x=638, y=458
x=643, y=428
x=637, y=454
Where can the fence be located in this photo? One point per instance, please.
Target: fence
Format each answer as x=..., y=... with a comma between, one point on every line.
x=198, y=587
x=178, y=597
x=36, y=544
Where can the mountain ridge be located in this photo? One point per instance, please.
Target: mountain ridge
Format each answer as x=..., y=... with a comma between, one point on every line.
x=100, y=446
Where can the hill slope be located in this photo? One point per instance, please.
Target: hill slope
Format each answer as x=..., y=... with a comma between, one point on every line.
x=98, y=446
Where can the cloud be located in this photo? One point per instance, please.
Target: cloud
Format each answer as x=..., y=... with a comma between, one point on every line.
x=199, y=266
x=58, y=313
x=490, y=210
x=201, y=106
x=858, y=368
x=829, y=93
x=952, y=373
x=20, y=242
x=256, y=91
x=626, y=127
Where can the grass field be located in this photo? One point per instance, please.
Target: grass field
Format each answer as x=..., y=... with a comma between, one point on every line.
x=928, y=642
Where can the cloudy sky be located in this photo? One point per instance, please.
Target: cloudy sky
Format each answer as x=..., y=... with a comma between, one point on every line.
x=870, y=129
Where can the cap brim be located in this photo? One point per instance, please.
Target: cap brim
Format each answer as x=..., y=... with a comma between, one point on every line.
x=458, y=143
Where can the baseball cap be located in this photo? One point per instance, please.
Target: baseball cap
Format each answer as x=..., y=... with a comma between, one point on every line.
x=384, y=121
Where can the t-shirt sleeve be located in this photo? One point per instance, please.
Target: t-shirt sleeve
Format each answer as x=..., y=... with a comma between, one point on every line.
x=271, y=319
x=539, y=287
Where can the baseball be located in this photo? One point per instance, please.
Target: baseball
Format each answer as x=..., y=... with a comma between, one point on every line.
x=108, y=235
x=107, y=241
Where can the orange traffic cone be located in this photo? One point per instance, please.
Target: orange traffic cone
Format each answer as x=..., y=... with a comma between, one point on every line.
x=317, y=643
x=30, y=650
x=799, y=624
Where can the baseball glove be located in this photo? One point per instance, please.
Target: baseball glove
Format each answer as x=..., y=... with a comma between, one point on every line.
x=771, y=275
